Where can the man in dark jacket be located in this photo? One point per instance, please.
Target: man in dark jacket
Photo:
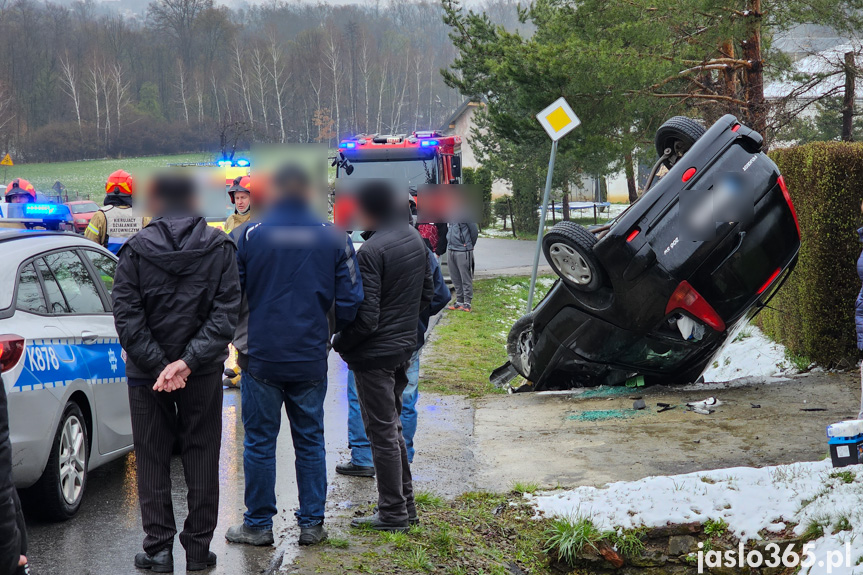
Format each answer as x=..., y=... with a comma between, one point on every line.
x=176, y=297
x=361, y=463
x=378, y=345
x=295, y=271
x=13, y=534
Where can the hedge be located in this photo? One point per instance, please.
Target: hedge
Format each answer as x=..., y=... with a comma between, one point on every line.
x=813, y=313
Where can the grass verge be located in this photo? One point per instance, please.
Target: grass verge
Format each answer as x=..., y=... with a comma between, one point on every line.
x=465, y=348
x=477, y=533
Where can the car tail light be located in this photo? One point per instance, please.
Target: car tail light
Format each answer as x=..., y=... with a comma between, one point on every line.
x=632, y=235
x=11, y=348
x=686, y=298
x=784, y=188
x=735, y=128
x=769, y=281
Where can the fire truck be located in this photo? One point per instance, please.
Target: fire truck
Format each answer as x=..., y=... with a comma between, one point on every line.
x=419, y=158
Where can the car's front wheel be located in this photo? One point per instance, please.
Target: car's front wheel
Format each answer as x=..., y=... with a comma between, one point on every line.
x=519, y=345
x=568, y=248
x=60, y=490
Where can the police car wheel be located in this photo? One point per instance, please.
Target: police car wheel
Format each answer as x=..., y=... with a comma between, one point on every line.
x=61, y=488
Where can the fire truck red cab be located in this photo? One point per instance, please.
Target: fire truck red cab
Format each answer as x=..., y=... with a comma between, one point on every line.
x=419, y=158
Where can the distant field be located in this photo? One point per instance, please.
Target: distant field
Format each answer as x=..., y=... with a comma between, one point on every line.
x=86, y=179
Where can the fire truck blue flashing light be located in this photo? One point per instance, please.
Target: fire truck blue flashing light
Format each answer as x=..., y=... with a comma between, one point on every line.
x=242, y=163
x=348, y=145
x=428, y=143
x=224, y=163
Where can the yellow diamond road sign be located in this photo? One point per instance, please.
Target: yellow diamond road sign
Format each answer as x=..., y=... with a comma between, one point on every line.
x=6, y=161
x=558, y=119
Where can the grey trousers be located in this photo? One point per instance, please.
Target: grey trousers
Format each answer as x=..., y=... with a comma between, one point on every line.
x=461, y=271
x=380, y=392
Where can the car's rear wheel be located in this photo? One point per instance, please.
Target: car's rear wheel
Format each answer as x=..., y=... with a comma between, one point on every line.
x=568, y=248
x=519, y=345
x=677, y=134
x=60, y=490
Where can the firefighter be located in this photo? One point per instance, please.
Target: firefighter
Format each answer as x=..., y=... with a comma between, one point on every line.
x=20, y=191
x=241, y=197
x=114, y=223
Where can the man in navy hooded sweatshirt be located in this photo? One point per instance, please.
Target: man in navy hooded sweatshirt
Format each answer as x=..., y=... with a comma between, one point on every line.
x=300, y=276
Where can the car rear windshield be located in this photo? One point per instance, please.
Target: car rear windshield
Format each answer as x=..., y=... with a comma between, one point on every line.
x=84, y=208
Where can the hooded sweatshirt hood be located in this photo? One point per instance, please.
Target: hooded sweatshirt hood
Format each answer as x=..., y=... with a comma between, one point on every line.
x=177, y=244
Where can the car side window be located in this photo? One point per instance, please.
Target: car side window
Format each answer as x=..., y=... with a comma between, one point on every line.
x=105, y=268
x=75, y=282
x=56, y=301
x=30, y=296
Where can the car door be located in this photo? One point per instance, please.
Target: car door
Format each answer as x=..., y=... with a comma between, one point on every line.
x=82, y=277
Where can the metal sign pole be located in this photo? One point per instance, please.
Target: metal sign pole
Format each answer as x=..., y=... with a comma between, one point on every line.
x=541, y=232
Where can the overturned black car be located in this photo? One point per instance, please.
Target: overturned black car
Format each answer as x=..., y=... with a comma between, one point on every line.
x=658, y=291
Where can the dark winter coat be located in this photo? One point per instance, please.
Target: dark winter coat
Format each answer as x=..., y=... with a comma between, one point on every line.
x=176, y=296
x=398, y=285
x=13, y=533
x=858, y=312
x=440, y=298
x=294, y=270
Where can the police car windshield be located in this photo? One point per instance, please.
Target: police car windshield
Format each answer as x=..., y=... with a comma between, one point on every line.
x=84, y=208
x=416, y=172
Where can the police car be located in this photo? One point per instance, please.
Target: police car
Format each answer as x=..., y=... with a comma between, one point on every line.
x=61, y=363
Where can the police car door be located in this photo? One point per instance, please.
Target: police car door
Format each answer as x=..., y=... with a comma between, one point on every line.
x=81, y=282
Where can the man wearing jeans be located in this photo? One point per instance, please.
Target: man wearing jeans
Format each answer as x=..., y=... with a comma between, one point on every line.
x=294, y=270
x=361, y=464
x=461, y=239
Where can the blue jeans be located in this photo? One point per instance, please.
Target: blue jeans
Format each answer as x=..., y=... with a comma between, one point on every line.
x=361, y=449
x=262, y=415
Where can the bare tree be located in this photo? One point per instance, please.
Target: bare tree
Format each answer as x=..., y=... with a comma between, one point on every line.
x=332, y=57
x=70, y=86
x=242, y=81
x=181, y=88
x=177, y=19
x=280, y=80
x=262, y=84
x=93, y=86
x=365, y=72
x=121, y=93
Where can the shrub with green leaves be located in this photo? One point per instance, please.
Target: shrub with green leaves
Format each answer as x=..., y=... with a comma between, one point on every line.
x=813, y=313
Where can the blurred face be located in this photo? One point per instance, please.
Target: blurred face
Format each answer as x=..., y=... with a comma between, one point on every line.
x=242, y=201
x=19, y=199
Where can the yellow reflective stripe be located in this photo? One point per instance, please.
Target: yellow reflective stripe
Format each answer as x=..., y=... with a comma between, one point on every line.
x=92, y=229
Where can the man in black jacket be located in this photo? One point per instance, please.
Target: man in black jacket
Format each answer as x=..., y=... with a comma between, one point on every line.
x=176, y=298
x=13, y=534
x=378, y=345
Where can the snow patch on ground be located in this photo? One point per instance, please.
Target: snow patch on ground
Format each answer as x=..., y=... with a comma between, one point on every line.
x=748, y=499
x=750, y=354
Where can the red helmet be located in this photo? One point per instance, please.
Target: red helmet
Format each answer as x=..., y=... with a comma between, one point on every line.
x=120, y=182
x=20, y=187
x=241, y=184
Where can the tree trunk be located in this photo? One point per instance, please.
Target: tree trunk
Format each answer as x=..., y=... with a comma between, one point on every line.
x=754, y=92
x=629, y=168
x=848, y=100
x=565, y=215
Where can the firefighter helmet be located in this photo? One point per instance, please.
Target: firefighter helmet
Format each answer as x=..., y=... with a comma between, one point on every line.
x=119, y=182
x=241, y=184
x=20, y=187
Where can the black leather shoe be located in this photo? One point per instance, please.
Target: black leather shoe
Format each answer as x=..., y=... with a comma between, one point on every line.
x=355, y=470
x=210, y=561
x=374, y=522
x=161, y=562
x=312, y=535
